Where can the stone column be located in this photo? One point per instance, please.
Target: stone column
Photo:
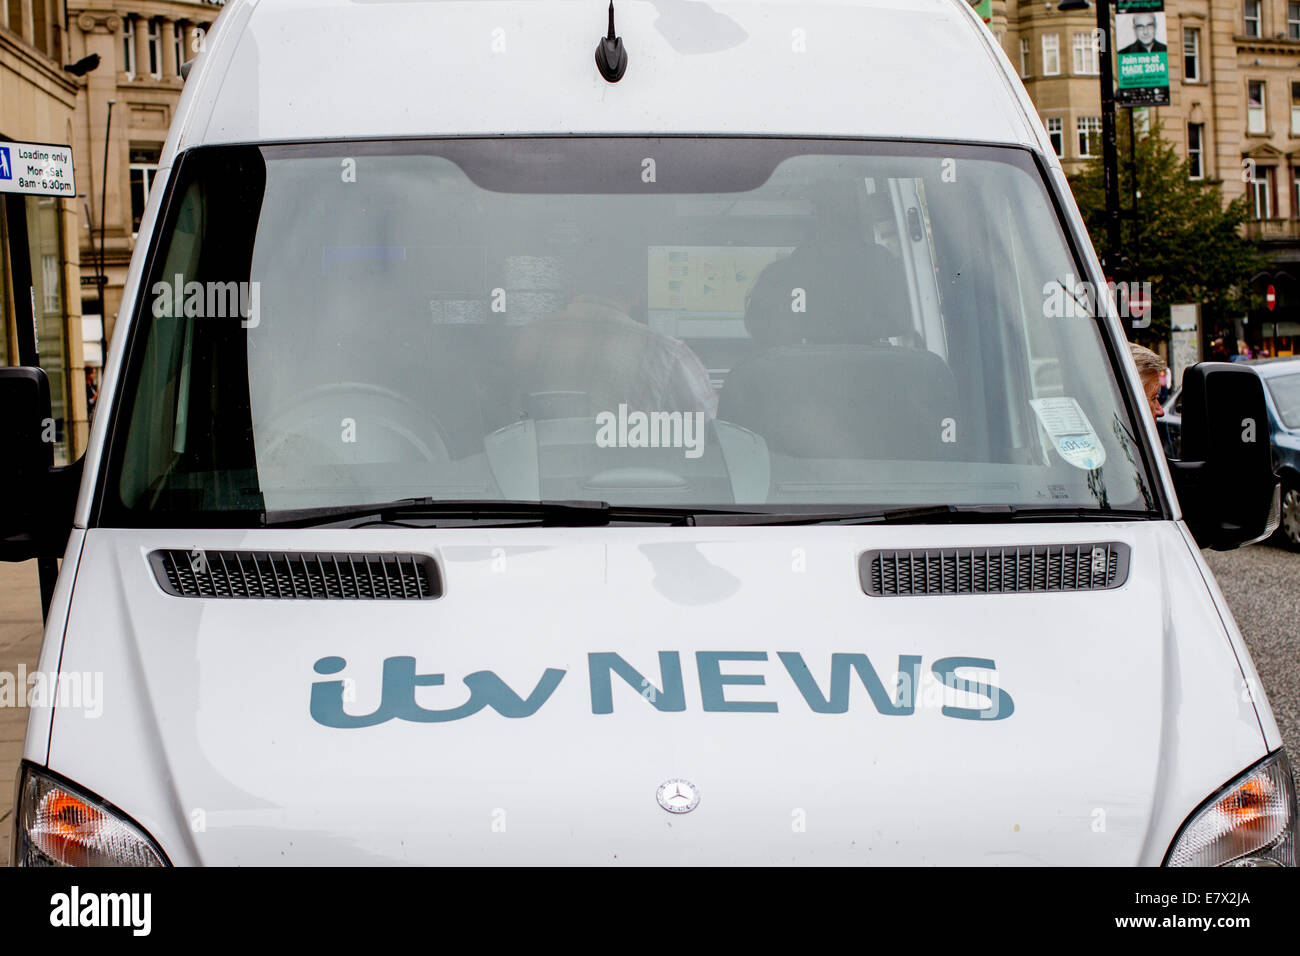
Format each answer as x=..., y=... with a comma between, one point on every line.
x=74, y=353
x=166, y=38
x=1228, y=99
x=141, y=47
x=26, y=27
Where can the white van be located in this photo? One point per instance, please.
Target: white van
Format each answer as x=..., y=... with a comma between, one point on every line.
x=701, y=454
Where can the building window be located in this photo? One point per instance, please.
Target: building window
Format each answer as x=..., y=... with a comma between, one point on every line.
x=1142, y=123
x=178, y=42
x=1089, y=128
x=144, y=167
x=44, y=242
x=1051, y=55
x=1256, y=118
x=1192, y=55
x=1295, y=192
x=1196, y=150
x=1263, y=192
x=1295, y=109
x=50, y=282
x=1056, y=133
x=128, y=45
x=1086, y=60
x=1252, y=18
x=41, y=26
x=155, y=51
x=1024, y=56
x=1293, y=20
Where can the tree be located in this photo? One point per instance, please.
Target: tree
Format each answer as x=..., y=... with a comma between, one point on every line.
x=1186, y=241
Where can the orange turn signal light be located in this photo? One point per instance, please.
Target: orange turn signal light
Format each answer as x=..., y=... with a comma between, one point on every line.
x=67, y=829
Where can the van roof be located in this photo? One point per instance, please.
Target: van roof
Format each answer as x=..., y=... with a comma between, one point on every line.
x=343, y=69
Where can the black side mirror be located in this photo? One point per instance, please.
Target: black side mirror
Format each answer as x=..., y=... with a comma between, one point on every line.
x=37, y=500
x=1225, y=481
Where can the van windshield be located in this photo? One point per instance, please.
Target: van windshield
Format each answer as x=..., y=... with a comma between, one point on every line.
x=679, y=322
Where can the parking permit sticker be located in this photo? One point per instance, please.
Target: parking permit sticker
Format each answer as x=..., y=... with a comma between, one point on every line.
x=1070, y=431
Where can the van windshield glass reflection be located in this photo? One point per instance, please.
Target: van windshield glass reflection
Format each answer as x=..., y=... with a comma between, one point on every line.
x=671, y=322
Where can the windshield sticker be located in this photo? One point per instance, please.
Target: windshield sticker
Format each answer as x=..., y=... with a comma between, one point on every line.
x=1071, y=433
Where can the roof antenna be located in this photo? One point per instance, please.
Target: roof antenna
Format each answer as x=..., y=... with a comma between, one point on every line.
x=611, y=58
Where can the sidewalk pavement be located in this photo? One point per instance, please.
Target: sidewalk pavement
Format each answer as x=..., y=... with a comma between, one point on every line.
x=20, y=643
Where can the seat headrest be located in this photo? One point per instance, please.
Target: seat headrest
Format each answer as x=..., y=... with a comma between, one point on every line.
x=853, y=293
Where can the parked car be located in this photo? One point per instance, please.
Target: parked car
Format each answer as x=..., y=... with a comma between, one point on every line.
x=513, y=456
x=1281, y=377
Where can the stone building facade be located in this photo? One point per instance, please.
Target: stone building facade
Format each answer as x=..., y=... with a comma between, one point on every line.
x=40, y=309
x=1234, y=71
x=142, y=47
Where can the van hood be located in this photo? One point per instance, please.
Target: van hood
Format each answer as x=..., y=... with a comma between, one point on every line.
x=532, y=713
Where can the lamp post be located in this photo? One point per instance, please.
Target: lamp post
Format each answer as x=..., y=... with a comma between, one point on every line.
x=102, y=277
x=1109, y=151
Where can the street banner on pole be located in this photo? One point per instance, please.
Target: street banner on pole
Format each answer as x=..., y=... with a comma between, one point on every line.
x=985, y=9
x=1142, y=42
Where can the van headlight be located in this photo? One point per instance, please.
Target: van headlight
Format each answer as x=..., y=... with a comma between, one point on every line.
x=58, y=825
x=1250, y=822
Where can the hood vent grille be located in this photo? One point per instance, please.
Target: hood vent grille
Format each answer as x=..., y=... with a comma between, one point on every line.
x=316, y=576
x=1039, y=569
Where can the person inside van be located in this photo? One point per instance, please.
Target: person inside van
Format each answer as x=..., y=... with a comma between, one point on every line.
x=597, y=355
x=1150, y=367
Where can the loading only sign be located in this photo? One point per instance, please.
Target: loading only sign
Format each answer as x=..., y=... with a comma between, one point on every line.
x=36, y=169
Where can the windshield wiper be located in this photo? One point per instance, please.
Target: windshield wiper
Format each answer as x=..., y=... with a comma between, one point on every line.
x=510, y=513
x=932, y=514
x=596, y=513
x=1091, y=310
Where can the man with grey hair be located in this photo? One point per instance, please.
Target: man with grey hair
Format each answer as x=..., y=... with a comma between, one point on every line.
x=1145, y=27
x=1150, y=367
